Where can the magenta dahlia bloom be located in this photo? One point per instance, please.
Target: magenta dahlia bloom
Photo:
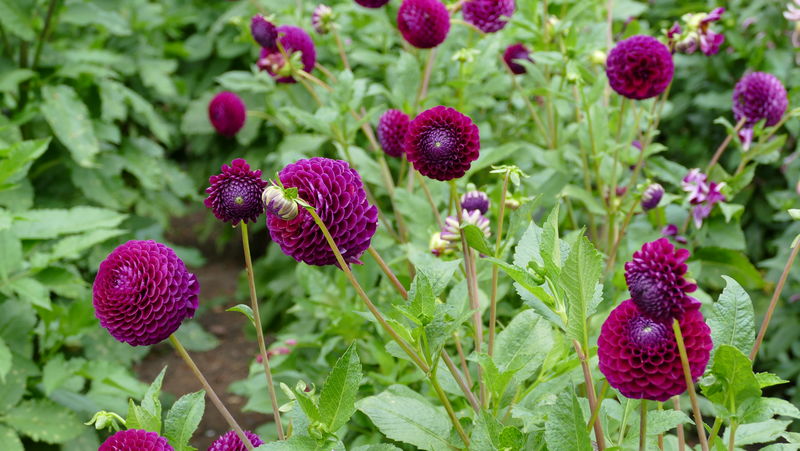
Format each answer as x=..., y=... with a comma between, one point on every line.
x=655, y=278
x=142, y=293
x=488, y=16
x=639, y=67
x=235, y=194
x=475, y=200
x=442, y=143
x=516, y=52
x=264, y=32
x=372, y=3
x=392, y=128
x=758, y=96
x=639, y=355
x=335, y=190
x=423, y=23
x=293, y=39
x=227, y=113
x=135, y=440
x=230, y=441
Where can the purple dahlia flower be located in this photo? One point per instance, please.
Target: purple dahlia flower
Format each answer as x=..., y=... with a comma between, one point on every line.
x=442, y=143
x=321, y=19
x=475, y=200
x=227, y=113
x=231, y=442
x=655, y=277
x=423, y=23
x=702, y=195
x=488, y=16
x=651, y=196
x=758, y=96
x=640, y=67
x=392, y=128
x=264, y=32
x=293, y=39
x=142, y=293
x=372, y=3
x=516, y=52
x=135, y=440
x=639, y=355
x=235, y=194
x=335, y=190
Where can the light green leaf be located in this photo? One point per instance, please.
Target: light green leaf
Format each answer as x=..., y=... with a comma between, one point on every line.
x=377, y=447
x=520, y=275
x=769, y=380
x=338, y=397
x=766, y=431
x=91, y=13
x=422, y=305
x=525, y=340
x=734, y=381
x=44, y=421
x=73, y=247
x=139, y=418
x=244, y=310
x=578, y=280
x=476, y=239
x=17, y=159
x=58, y=370
x=16, y=21
x=10, y=439
x=496, y=380
x=438, y=272
x=565, y=429
x=731, y=319
x=5, y=360
x=183, y=418
x=194, y=338
x=550, y=244
x=30, y=290
x=11, y=250
x=756, y=410
x=294, y=443
x=69, y=118
x=50, y=223
x=151, y=402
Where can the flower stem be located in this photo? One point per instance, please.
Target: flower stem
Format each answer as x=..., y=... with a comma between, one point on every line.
x=428, y=196
x=45, y=30
x=643, y=427
x=712, y=436
x=426, y=78
x=732, y=435
x=596, y=411
x=687, y=373
x=449, y=408
x=209, y=391
x=676, y=404
x=259, y=330
x=386, y=270
x=495, y=268
x=531, y=110
x=612, y=256
x=724, y=144
x=460, y=381
x=587, y=376
x=340, y=47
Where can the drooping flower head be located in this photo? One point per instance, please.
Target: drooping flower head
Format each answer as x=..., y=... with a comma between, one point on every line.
x=227, y=113
x=651, y=196
x=335, y=190
x=142, y=293
x=451, y=231
x=423, y=23
x=392, y=128
x=639, y=355
x=701, y=194
x=135, y=440
x=758, y=96
x=264, y=32
x=441, y=143
x=372, y=3
x=293, y=39
x=235, y=193
x=488, y=16
x=230, y=441
x=639, y=67
x=475, y=200
x=322, y=19
x=655, y=277
x=697, y=33
x=516, y=52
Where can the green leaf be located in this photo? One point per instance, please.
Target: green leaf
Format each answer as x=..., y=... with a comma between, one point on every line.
x=755, y=410
x=5, y=360
x=497, y=380
x=69, y=118
x=338, y=397
x=525, y=341
x=733, y=380
x=17, y=159
x=565, y=429
x=490, y=435
x=151, y=402
x=439, y=272
x=403, y=415
x=476, y=239
x=520, y=275
x=58, y=370
x=769, y=380
x=31, y=291
x=550, y=244
x=717, y=262
x=50, y=223
x=194, y=338
x=244, y=310
x=763, y=432
x=293, y=443
x=73, y=247
x=422, y=305
x=44, y=421
x=10, y=439
x=94, y=14
x=731, y=319
x=16, y=21
x=578, y=280
x=183, y=418
x=139, y=418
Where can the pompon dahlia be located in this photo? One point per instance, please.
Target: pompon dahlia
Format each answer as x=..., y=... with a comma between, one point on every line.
x=142, y=293
x=488, y=16
x=135, y=440
x=639, y=67
x=293, y=39
x=758, y=96
x=423, y=23
x=516, y=52
x=235, y=193
x=372, y=3
x=231, y=442
x=656, y=283
x=227, y=113
x=337, y=193
x=392, y=128
x=442, y=143
x=639, y=355
x=475, y=200
x=264, y=32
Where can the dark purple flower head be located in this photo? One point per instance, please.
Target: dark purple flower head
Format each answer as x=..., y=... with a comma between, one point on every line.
x=515, y=52
x=335, y=190
x=142, y=293
x=640, y=67
x=652, y=196
x=759, y=96
x=293, y=39
x=392, y=128
x=488, y=16
x=135, y=440
x=475, y=200
x=227, y=113
x=322, y=18
x=639, y=355
x=423, y=23
x=235, y=194
x=442, y=143
x=372, y=3
x=655, y=277
x=264, y=32
x=230, y=441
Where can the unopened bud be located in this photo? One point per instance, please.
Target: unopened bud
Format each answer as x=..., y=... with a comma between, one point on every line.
x=599, y=57
x=277, y=203
x=652, y=196
x=264, y=32
x=322, y=19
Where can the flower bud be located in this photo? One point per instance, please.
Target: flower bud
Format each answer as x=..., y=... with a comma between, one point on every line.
x=598, y=57
x=652, y=196
x=322, y=19
x=277, y=203
x=451, y=232
x=264, y=32
x=438, y=246
x=475, y=200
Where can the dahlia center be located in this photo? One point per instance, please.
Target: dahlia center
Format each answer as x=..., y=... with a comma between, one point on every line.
x=646, y=333
x=439, y=143
x=239, y=200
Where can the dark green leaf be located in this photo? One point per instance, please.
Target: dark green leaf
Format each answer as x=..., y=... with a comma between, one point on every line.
x=338, y=397
x=476, y=239
x=565, y=429
x=70, y=121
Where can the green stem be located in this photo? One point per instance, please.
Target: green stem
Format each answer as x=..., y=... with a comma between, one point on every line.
x=593, y=405
x=596, y=411
x=724, y=145
x=426, y=78
x=687, y=374
x=449, y=408
x=340, y=47
x=624, y=422
x=460, y=381
x=428, y=196
x=531, y=110
x=712, y=437
x=389, y=273
x=495, y=268
x=643, y=426
x=43, y=36
x=732, y=437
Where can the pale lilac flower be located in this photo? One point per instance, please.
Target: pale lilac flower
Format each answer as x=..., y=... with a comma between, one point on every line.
x=702, y=195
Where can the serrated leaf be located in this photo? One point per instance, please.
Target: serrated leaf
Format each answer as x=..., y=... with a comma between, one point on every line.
x=520, y=275
x=31, y=291
x=44, y=421
x=476, y=239
x=337, y=401
x=734, y=381
x=69, y=118
x=755, y=410
x=244, y=310
x=151, y=402
x=16, y=21
x=183, y=418
x=769, y=380
x=422, y=303
x=58, y=370
x=497, y=380
x=11, y=250
x=578, y=280
x=10, y=439
x=438, y=272
x=731, y=319
x=525, y=339
x=565, y=429
x=550, y=244
x=139, y=418
x=763, y=432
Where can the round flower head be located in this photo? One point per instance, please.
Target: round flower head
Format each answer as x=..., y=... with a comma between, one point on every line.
x=759, y=96
x=656, y=283
x=235, y=194
x=639, y=355
x=441, y=143
x=293, y=39
x=639, y=67
x=231, y=442
x=423, y=23
x=475, y=200
x=227, y=113
x=372, y=3
x=135, y=440
x=392, y=128
x=264, y=32
x=336, y=192
x=651, y=196
x=516, y=52
x=488, y=16
x=322, y=18
x=142, y=293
